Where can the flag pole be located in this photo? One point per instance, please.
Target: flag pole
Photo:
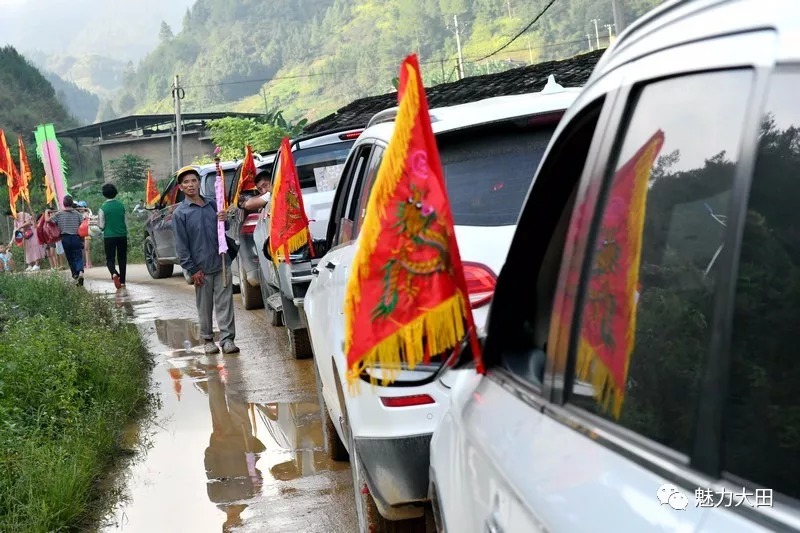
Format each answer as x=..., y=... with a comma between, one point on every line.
x=219, y=186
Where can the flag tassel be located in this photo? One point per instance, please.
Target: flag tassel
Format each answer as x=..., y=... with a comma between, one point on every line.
x=294, y=243
x=438, y=329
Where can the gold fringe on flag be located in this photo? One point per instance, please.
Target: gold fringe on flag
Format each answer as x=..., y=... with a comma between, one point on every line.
x=295, y=242
x=438, y=327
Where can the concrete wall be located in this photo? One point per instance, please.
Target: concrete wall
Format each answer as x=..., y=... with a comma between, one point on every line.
x=157, y=150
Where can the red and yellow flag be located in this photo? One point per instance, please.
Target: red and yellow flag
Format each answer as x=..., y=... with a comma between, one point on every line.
x=13, y=179
x=25, y=171
x=151, y=194
x=288, y=229
x=247, y=178
x=407, y=297
x=608, y=330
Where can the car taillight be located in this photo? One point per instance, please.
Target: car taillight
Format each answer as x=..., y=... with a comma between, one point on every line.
x=350, y=135
x=481, y=282
x=249, y=225
x=407, y=401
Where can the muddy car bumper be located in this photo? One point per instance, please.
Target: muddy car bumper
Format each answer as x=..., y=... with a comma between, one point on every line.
x=397, y=470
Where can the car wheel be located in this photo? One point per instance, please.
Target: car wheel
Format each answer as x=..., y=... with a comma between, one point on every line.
x=154, y=268
x=299, y=344
x=334, y=446
x=251, y=298
x=275, y=318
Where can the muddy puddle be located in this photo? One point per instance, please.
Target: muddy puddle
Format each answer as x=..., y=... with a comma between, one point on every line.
x=210, y=456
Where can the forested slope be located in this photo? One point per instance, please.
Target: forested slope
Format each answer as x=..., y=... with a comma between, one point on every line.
x=321, y=54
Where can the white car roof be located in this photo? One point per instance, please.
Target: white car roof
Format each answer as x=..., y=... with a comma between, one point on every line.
x=551, y=99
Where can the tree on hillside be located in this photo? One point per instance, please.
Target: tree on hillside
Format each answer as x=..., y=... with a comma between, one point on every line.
x=165, y=35
x=128, y=172
x=231, y=134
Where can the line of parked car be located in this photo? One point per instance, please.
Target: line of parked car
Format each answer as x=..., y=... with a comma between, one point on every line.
x=711, y=380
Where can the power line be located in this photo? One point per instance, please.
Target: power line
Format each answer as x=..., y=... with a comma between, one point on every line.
x=517, y=36
x=468, y=59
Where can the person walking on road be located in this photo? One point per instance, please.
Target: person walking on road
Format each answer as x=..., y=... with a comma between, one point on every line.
x=194, y=224
x=111, y=220
x=68, y=221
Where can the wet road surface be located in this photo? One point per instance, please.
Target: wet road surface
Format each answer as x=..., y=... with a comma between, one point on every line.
x=236, y=443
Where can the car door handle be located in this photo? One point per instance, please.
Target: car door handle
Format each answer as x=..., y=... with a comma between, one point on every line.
x=492, y=524
x=330, y=265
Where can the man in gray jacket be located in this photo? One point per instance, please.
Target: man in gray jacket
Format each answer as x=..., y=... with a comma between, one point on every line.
x=194, y=223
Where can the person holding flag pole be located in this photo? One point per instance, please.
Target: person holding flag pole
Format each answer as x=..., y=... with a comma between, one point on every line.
x=199, y=227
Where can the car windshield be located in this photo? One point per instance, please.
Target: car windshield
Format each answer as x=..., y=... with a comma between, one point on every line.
x=321, y=166
x=488, y=171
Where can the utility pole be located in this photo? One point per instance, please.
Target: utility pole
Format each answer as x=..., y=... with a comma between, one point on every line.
x=264, y=94
x=589, y=38
x=596, y=33
x=608, y=27
x=457, y=31
x=508, y=6
x=179, y=94
x=530, y=52
x=619, y=15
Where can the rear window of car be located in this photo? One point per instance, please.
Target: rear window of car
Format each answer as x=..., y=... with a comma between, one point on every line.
x=211, y=177
x=489, y=169
x=321, y=167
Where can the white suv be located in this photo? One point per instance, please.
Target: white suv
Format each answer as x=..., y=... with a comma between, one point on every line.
x=641, y=354
x=490, y=151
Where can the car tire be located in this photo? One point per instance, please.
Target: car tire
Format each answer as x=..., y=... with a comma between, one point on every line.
x=334, y=446
x=154, y=268
x=299, y=344
x=275, y=318
x=251, y=298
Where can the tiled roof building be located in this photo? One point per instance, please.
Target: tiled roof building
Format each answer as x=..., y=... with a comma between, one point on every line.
x=573, y=72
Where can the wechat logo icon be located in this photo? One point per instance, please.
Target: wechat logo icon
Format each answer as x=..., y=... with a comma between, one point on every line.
x=668, y=494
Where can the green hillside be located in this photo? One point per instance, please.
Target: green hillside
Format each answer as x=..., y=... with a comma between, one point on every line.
x=27, y=99
x=80, y=103
x=321, y=54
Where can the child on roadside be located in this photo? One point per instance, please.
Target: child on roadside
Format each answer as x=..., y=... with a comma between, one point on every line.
x=6, y=260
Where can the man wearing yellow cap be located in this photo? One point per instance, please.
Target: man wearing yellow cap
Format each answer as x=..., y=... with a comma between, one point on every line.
x=194, y=223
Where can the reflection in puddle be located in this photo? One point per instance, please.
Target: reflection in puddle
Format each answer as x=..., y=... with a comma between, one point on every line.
x=208, y=440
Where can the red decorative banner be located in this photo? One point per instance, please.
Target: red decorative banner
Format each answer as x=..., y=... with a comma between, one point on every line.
x=406, y=297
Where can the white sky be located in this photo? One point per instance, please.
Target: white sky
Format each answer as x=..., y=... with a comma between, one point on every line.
x=120, y=29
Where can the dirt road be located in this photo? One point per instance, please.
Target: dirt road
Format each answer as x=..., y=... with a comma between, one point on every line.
x=237, y=440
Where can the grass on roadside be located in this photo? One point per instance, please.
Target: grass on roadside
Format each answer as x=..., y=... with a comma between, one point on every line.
x=72, y=374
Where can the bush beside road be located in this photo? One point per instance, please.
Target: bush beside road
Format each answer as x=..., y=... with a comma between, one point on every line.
x=72, y=375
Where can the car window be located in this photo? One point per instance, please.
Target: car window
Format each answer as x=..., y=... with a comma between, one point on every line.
x=646, y=309
x=340, y=227
x=518, y=334
x=366, y=188
x=320, y=167
x=762, y=437
x=488, y=169
x=210, y=178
